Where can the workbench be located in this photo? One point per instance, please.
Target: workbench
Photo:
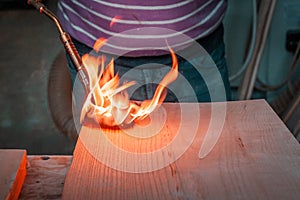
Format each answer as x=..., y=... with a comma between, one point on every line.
x=256, y=157
x=45, y=176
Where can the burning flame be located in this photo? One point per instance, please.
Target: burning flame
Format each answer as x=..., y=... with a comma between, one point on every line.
x=108, y=102
x=114, y=20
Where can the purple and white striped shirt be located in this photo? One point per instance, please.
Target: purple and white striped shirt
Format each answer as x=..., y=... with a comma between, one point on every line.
x=142, y=27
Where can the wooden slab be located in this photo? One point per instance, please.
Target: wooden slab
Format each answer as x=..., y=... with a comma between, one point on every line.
x=45, y=177
x=256, y=157
x=12, y=172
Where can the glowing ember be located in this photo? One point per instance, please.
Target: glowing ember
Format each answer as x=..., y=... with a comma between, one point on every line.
x=108, y=102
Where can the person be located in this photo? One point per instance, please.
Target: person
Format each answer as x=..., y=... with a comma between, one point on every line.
x=200, y=20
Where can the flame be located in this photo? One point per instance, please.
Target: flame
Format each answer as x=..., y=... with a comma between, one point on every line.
x=108, y=102
x=114, y=20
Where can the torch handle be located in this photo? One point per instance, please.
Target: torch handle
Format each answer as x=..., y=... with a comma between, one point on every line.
x=71, y=50
x=67, y=42
x=76, y=59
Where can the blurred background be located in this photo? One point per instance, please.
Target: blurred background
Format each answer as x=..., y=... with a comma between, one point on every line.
x=261, y=43
x=29, y=44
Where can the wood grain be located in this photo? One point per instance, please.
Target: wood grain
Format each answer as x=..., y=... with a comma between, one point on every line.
x=256, y=157
x=45, y=177
x=12, y=173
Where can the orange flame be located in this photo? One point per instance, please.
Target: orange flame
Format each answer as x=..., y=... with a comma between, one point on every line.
x=108, y=102
x=114, y=20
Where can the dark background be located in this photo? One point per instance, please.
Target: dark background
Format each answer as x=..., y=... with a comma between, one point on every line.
x=29, y=43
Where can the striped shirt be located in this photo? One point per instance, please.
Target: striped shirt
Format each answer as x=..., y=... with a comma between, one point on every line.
x=140, y=28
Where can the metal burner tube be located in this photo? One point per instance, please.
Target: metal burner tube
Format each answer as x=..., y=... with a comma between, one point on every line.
x=67, y=42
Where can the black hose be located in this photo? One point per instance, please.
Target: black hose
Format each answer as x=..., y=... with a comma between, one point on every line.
x=60, y=96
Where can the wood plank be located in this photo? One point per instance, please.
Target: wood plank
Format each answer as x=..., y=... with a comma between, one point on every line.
x=256, y=157
x=45, y=177
x=12, y=172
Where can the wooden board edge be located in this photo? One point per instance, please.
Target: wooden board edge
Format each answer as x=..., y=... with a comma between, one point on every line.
x=19, y=179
